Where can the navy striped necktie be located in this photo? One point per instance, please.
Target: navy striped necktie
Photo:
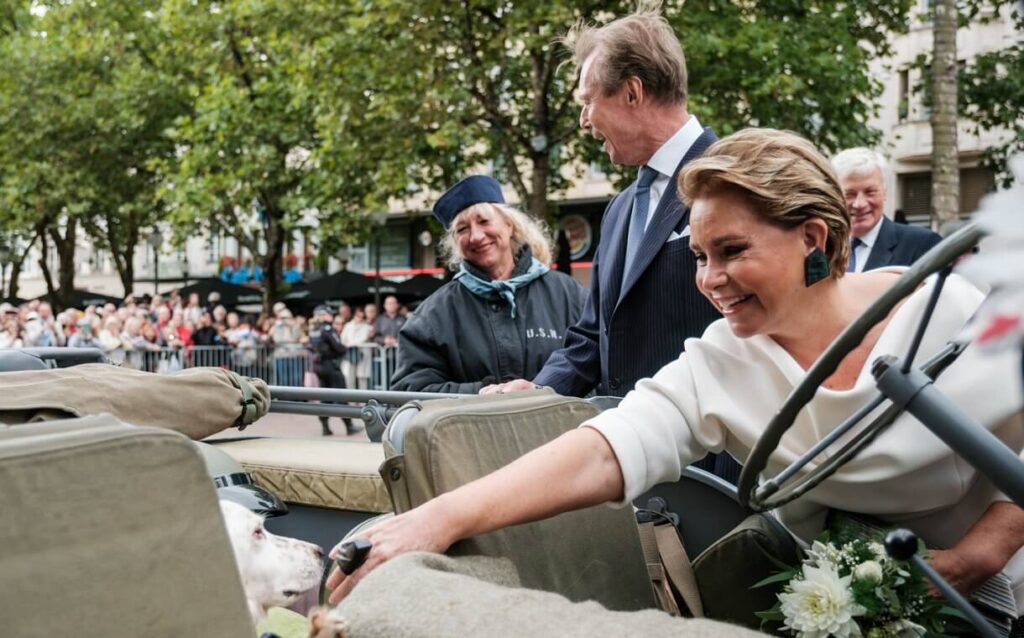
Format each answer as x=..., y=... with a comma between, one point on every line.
x=638, y=219
x=854, y=245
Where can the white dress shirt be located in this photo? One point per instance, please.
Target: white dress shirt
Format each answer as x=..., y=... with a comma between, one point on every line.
x=666, y=159
x=863, y=252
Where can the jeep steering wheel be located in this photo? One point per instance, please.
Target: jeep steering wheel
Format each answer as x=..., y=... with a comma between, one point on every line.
x=790, y=484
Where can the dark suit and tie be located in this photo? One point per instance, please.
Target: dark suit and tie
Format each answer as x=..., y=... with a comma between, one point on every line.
x=645, y=304
x=635, y=322
x=876, y=240
x=899, y=245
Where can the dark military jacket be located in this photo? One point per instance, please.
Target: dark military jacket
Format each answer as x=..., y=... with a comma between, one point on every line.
x=458, y=342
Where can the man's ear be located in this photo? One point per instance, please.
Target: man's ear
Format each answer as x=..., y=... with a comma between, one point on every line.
x=634, y=90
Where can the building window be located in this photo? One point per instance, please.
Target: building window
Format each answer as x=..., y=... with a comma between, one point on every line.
x=359, y=258
x=916, y=192
x=903, y=103
x=925, y=86
x=975, y=183
x=212, y=249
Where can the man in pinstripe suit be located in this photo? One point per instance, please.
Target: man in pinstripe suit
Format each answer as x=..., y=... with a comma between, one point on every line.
x=643, y=302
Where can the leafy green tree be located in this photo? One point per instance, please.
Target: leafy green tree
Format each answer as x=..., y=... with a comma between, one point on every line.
x=801, y=66
x=42, y=187
x=992, y=95
x=136, y=100
x=243, y=165
x=420, y=93
x=17, y=244
x=14, y=16
x=84, y=108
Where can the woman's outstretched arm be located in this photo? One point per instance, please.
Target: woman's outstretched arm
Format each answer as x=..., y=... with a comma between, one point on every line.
x=576, y=470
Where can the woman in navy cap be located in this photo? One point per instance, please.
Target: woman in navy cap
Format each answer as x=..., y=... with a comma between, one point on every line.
x=503, y=313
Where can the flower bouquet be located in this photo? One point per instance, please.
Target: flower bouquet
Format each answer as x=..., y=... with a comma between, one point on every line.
x=848, y=586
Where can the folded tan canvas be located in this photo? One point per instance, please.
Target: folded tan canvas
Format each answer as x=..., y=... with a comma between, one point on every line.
x=197, y=402
x=426, y=595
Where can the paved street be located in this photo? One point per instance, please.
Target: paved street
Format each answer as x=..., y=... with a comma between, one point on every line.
x=291, y=425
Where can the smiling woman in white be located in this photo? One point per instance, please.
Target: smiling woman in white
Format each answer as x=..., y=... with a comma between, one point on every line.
x=770, y=233
x=723, y=392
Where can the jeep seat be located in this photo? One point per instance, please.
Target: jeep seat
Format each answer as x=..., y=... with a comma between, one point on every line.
x=112, y=530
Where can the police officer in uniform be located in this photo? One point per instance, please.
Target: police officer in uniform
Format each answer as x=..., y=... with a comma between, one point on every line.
x=329, y=351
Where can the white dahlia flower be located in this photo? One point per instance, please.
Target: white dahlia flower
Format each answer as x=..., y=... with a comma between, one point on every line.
x=821, y=604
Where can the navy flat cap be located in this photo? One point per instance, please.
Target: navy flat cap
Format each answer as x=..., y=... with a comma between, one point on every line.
x=475, y=189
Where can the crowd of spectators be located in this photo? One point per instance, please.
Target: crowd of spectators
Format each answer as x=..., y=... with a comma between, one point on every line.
x=143, y=332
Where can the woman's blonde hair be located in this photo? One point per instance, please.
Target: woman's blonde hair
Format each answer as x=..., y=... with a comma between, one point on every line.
x=785, y=178
x=526, y=231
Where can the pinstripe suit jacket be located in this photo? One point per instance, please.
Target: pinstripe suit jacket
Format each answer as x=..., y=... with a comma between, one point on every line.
x=632, y=326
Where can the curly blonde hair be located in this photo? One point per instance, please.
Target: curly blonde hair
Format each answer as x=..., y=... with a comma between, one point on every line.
x=526, y=231
x=785, y=178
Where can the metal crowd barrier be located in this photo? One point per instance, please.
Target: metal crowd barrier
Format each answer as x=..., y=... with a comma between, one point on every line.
x=364, y=367
x=375, y=408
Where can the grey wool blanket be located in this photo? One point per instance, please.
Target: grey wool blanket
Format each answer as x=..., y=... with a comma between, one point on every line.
x=430, y=595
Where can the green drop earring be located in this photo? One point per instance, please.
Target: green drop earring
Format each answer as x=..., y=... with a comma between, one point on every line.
x=815, y=267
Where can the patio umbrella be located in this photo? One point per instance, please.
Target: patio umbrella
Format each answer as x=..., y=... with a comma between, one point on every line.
x=334, y=289
x=418, y=287
x=84, y=298
x=231, y=295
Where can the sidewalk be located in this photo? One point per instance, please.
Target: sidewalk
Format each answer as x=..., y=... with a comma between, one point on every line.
x=292, y=426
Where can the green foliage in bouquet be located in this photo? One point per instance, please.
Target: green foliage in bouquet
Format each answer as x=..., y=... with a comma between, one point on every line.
x=848, y=586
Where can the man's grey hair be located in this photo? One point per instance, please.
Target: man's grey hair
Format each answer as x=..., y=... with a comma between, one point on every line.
x=859, y=161
x=641, y=45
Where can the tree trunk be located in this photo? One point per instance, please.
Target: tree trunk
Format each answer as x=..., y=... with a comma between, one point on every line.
x=16, y=266
x=540, y=79
x=128, y=274
x=66, y=268
x=538, y=201
x=271, y=259
x=126, y=264
x=44, y=265
x=124, y=256
x=945, y=154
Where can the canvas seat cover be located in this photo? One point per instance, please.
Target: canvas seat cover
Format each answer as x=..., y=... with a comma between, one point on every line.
x=112, y=530
x=332, y=474
x=591, y=554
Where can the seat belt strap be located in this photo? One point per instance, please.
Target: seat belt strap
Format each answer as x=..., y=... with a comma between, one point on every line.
x=656, y=571
x=677, y=565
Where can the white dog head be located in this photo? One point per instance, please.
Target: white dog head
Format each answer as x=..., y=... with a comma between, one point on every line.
x=274, y=570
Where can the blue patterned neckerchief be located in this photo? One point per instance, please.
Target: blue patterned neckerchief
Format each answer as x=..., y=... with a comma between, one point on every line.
x=505, y=288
